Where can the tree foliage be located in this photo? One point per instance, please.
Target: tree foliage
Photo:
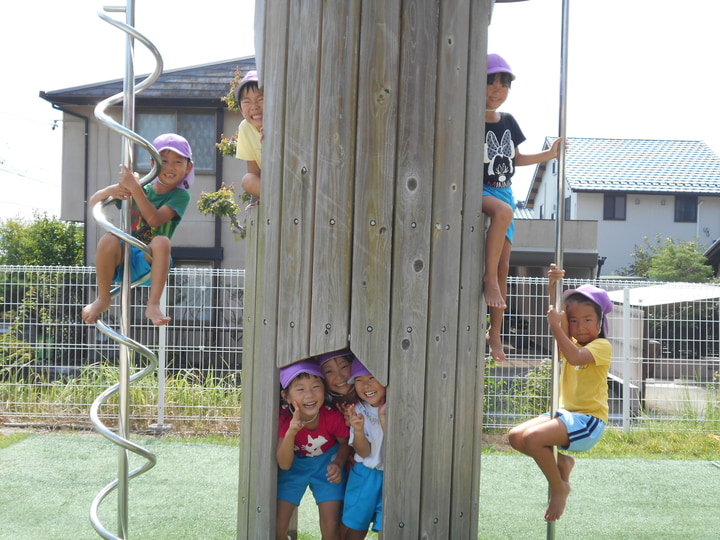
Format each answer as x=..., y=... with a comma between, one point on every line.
x=676, y=260
x=44, y=241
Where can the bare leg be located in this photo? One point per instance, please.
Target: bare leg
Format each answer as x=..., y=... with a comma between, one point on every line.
x=330, y=519
x=500, y=214
x=536, y=438
x=497, y=314
x=285, y=511
x=354, y=534
x=107, y=258
x=160, y=266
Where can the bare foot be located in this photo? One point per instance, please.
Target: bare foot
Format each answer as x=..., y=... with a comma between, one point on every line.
x=496, y=349
x=565, y=464
x=493, y=296
x=91, y=312
x=556, y=505
x=158, y=318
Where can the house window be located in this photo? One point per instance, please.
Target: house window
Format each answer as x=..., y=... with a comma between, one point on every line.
x=614, y=207
x=686, y=208
x=567, y=209
x=196, y=126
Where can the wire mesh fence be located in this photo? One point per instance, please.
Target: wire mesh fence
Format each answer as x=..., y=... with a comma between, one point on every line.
x=666, y=355
x=666, y=352
x=53, y=365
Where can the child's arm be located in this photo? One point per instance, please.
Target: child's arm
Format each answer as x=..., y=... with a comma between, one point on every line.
x=555, y=274
x=153, y=216
x=334, y=470
x=116, y=191
x=286, y=445
x=382, y=413
x=360, y=442
x=574, y=355
x=531, y=159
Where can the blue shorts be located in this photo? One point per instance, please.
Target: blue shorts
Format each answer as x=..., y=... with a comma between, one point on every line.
x=139, y=266
x=583, y=430
x=363, y=499
x=506, y=195
x=310, y=472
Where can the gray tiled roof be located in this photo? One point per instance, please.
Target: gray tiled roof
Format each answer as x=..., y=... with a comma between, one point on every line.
x=642, y=165
x=196, y=86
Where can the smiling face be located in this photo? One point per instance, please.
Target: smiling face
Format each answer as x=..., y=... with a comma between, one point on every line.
x=583, y=321
x=173, y=169
x=497, y=92
x=251, y=105
x=336, y=372
x=370, y=390
x=308, y=392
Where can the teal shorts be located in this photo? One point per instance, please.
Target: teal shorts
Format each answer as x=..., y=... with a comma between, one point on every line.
x=506, y=195
x=139, y=266
x=310, y=472
x=363, y=499
x=583, y=430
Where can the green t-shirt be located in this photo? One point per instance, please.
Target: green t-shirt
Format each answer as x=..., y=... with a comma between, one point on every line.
x=177, y=199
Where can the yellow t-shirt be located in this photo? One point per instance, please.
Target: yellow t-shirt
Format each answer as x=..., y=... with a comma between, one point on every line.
x=584, y=389
x=249, y=145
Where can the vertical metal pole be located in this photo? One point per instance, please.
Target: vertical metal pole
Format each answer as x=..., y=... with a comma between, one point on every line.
x=626, y=361
x=559, y=220
x=125, y=303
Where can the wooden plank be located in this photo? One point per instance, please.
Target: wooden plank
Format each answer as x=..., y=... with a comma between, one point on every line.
x=465, y=497
x=332, y=249
x=374, y=184
x=445, y=288
x=257, y=497
x=411, y=270
x=298, y=181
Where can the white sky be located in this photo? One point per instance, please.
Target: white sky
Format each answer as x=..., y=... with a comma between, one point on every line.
x=637, y=69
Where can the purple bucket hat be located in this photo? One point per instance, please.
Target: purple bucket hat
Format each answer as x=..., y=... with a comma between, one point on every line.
x=357, y=370
x=288, y=373
x=497, y=64
x=179, y=145
x=250, y=76
x=326, y=357
x=598, y=296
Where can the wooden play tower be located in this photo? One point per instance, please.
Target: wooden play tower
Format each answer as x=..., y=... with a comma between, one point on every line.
x=370, y=234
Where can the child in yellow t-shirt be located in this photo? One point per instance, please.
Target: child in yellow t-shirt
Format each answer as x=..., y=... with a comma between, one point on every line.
x=580, y=332
x=249, y=96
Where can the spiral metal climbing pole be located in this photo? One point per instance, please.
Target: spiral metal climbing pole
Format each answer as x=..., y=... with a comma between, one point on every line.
x=128, y=348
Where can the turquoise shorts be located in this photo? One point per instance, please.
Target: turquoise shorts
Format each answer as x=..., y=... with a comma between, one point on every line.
x=363, y=499
x=583, y=430
x=139, y=266
x=506, y=195
x=310, y=472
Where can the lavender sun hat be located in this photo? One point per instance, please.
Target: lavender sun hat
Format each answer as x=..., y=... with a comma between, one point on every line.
x=326, y=357
x=598, y=296
x=250, y=76
x=179, y=145
x=357, y=370
x=288, y=373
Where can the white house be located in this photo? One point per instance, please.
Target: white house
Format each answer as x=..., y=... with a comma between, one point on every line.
x=186, y=101
x=634, y=188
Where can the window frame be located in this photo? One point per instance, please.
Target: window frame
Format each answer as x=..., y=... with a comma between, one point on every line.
x=686, y=208
x=614, y=214
x=200, y=168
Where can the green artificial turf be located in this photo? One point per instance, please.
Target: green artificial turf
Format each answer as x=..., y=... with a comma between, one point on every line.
x=47, y=483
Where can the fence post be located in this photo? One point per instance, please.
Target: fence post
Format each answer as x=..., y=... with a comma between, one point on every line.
x=626, y=356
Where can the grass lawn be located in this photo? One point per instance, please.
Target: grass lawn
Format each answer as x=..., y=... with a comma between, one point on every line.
x=48, y=481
